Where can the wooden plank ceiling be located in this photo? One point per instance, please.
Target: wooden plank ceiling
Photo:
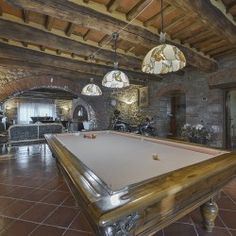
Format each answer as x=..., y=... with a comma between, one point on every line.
x=80, y=31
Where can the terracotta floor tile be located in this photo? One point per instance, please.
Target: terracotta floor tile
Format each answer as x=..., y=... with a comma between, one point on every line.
x=53, y=184
x=81, y=223
x=19, y=192
x=233, y=232
x=34, y=167
x=229, y=218
x=37, y=194
x=35, y=182
x=19, y=228
x=226, y=203
x=5, y=202
x=38, y=212
x=216, y=231
x=63, y=216
x=5, y=222
x=77, y=233
x=179, y=229
x=44, y=230
x=17, y=208
x=185, y=219
x=55, y=197
x=5, y=189
x=231, y=192
x=64, y=188
x=70, y=201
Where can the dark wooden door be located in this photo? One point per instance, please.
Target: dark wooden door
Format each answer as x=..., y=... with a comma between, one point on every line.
x=231, y=119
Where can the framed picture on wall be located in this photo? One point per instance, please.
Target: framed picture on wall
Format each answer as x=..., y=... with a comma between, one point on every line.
x=143, y=97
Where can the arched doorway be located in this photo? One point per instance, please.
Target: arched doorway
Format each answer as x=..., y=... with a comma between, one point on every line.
x=82, y=111
x=80, y=115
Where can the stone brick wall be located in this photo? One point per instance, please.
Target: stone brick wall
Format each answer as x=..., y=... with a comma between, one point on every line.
x=203, y=105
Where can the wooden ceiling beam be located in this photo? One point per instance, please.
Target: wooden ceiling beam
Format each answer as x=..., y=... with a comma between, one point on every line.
x=166, y=10
x=219, y=49
x=42, y=48
x=25, y=44
x=27, y=55
x=41, y=69
x=47, y=39
x=105, y=40
x=186, y=28
x=214, y=45
x=197, y=37
x=224, y=53
x=206, y=42
x=209, y=15
x=92, y=19
x=70, y=29
x=137, y=9
x=49, y=23
x=174, y=23
x=25, y=16
x=113, y=5
x=58, y=52
x=86, y=35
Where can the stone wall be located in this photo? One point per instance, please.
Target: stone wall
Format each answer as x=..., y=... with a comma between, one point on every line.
x=203, y=105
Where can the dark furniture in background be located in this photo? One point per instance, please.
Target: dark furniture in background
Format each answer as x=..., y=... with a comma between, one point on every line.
x=43, y=119
x=32, y=132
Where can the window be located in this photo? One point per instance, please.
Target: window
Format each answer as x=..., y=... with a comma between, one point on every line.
x=26, y=110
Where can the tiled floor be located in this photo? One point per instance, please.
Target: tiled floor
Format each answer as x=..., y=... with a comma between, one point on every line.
x=35, y=201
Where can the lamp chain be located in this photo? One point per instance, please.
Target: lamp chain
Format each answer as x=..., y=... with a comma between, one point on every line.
x=115, y=36
x=162, y=24
x=162, y=34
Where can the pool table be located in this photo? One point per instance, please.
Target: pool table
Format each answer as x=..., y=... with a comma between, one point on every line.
x=133, y=185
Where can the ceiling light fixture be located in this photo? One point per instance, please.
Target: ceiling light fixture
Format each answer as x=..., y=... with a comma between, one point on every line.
x=91, y=89
x=115, y=78
x=164, y=58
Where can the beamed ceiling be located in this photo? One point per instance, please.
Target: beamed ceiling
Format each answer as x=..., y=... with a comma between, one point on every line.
x=62, y=35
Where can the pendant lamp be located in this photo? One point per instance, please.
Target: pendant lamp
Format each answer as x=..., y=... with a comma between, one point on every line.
x=91, y=89
x=115, y=78
x=164, y=58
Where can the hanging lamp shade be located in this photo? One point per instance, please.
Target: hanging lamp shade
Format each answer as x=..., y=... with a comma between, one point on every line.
x=115, y=79
x=163, y=59
x=91, y=89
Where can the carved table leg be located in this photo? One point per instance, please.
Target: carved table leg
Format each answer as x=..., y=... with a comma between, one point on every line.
x=209, y=211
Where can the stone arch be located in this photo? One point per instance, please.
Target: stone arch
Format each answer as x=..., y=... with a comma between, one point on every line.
x=43, y=81
x=89, y=109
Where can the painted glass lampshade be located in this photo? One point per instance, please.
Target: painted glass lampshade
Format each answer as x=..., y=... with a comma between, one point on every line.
x=91, y=89
x=115, y=79
x=163, y=59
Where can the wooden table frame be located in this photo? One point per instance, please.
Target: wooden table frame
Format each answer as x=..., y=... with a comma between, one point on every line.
x=147, y=207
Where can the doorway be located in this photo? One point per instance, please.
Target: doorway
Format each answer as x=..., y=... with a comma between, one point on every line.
x=231, y=119
x=80, y=115
x=176, y=111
